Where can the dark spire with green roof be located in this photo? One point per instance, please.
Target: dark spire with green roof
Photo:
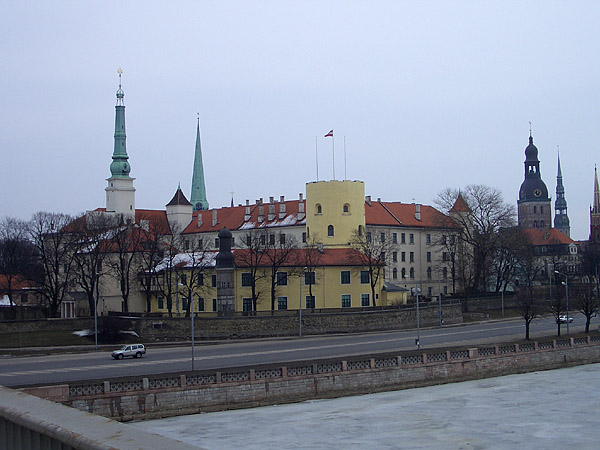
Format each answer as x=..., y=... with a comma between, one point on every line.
x=119, y=168
x=198, y=196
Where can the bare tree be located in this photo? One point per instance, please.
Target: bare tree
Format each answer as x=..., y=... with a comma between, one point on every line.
x=172, y=245
x=586, y=301
x=279, y=250
x=18, y=256
x=528, y=297
x=479, y=229
x=195, y=262
x=152, y=251
x=373, y=251
x=310, y=259
x=252, y=256
x=50, y=234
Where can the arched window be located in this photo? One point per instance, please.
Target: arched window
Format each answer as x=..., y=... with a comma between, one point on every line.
x=395, y=274
x=330, y=230
x=542, y=224
x=535, y=209
x=535, y=224
x=412, y=272
x=403, y=273
x=346, y=208
x=319, y=209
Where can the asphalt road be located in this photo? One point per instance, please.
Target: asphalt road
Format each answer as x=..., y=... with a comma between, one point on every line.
x=59, y=368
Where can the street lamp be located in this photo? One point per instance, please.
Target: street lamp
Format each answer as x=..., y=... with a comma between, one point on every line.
x=191, y=299
x=96, y=308
x=566, y=283
x=440, y=299
x=300, y=303
x=418, y=342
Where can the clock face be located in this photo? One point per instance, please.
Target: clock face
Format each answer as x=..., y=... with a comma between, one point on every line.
x=537, y=193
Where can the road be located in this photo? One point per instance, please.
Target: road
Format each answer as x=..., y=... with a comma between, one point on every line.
x=61, y=368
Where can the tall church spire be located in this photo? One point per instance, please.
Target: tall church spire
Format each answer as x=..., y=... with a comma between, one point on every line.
x=561, y=219
x=120, y=193
x=198, y=196
x=595, y=211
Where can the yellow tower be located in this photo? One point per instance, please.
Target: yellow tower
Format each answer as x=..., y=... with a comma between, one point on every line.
x=335, y=210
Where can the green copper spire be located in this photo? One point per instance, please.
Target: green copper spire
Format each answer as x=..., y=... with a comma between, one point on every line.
x=198, y=196
x=119, y=168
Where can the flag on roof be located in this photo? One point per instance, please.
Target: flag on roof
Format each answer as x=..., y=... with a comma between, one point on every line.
x=330, y=134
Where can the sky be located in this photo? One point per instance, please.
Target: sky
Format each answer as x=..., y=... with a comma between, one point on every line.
x=427, y=95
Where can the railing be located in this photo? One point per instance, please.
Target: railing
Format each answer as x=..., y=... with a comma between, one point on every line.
x=166, y=381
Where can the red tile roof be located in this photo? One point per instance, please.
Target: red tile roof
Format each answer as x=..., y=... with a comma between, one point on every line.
x=548, y=236
x=460, y=205
x=404, y=214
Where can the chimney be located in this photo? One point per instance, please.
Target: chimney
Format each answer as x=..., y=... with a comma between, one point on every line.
x=418, y=212
x=214, y=218
x=247, y=211
x=199, y=219
x=368, y=200
x=282, y=212
x=271, y=208
x=261, y=211
x=379, y=199
x=301, y=214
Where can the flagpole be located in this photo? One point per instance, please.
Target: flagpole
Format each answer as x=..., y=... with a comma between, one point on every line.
x=345, y=176
x=333, y=153
x=317, y=157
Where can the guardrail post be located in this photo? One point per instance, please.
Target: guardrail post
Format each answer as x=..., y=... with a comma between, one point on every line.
x=315, y=369
x=473, y=352
x=182, y=380
x=536, y=346
x=252, y=375
x=553, y=343
x=516, y=348
x=399, y=360
x=106, y=387
x=496, y=352
x=424, y=358
x=218, y=377
x=588, y=339
x=284, y=372
x=571, y=342
x=372, y=363
x=145, y=384
x=344, y=365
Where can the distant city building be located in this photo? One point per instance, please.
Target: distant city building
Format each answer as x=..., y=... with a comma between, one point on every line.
x=595, y=211
x=561, y=219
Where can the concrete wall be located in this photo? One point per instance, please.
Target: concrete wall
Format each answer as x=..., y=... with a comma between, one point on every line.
x=169, y=395
x=31, y=423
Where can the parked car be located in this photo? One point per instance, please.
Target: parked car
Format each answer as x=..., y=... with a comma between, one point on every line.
x=134, y=350
x=565, y=319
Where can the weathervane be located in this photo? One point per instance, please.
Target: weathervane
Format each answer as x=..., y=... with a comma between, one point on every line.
x=530, y=128
x=120, y=72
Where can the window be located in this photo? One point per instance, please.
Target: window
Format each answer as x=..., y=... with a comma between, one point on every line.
x=411, y=238
x=346, y=208
x=360, y=230
x=330, y=230
x=184, y=304
x=452, y=239
x=445, y=290
x=304, y=237
x=161, y=302
x=262, y=239
x=271, y=239
x=186, y=244
x=216, y=242
x=403, y=238
x=382, y=237
x=428, y=239
x=429, y=273
x=428, y=256
x=282, y=279
x=281, y=303
x=394, y=256
x=345, y=277
x=310, y=278
x=213, y=281
x=246, y=279
x=232, y=242
x=201, y=304
x=214, y=302
x=246, y=304
x=183, y=278
x=403, y=273
x=365, y=300
x=412, y=257
x=395, y=238
x=319, y=209
x=541, y=210
x=412, y=272
x=443, y=239
x=395, y=273
x=403, y=257
x=346, y=300
x=535, y=209
x=535, y=224
x=200, y=279
x=368, y=236
x=429, y=291
x=310, y=302
x=364, y=277
x=445, y=273
x=23, y=298
x=282, y=239
x=382, y=256
x=444, y=256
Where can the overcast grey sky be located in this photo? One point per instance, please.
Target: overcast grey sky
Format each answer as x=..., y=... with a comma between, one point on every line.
x=428, y=94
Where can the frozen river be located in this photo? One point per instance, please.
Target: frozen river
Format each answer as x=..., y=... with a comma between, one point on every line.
x=554, y=409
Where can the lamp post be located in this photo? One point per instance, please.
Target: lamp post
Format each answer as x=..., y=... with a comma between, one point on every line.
x=191, y=299
x=96, y=308
x=418, y=342
x=300, y=304
x=566, y=296
x=440, y=299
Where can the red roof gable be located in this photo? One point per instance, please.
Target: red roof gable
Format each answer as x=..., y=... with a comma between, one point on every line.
x=405, y=214
x=460, y=205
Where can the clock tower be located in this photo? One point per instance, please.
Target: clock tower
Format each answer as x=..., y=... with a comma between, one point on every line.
x=534, y=205
x=120, y=193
